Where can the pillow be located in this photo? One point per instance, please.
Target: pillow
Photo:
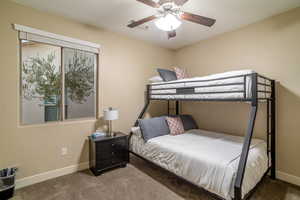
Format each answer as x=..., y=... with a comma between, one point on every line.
x=188, y=122
x=175, y=125
x=167, y=75
x=153, y=127
x=136, y=131
x=156, y=79
x=180, y=73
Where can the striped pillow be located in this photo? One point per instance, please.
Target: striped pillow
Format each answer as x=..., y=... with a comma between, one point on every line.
x=175, y=125
x=180, y=73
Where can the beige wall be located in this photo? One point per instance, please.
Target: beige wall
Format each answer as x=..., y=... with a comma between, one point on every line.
x=125, y=66
x=270, y=47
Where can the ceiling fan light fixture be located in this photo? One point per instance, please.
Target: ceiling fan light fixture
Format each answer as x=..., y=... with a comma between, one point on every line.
x=169, y=22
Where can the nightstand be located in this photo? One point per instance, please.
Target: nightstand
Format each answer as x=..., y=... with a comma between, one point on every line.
x=108, y=152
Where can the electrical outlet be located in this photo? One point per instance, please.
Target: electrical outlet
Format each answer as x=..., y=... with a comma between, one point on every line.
x=64, y=151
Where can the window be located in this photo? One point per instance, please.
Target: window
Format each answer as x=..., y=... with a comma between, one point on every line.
x=58, y=82
x=79, y=68
x=41, y=83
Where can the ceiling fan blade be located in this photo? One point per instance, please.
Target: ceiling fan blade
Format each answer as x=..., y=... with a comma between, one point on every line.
x=180, y=2
x=171, y=34
x=142, y=21
x=150, y=3
x=198, y=19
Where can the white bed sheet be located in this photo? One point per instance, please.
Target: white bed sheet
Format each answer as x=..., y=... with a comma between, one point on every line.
x=205, y=158
x=192, y=82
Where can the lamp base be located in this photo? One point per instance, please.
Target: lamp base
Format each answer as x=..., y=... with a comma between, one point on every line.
x=110, y=132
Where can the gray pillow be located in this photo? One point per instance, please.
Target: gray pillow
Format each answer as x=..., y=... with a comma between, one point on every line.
x=167, y=75
x=153, y=127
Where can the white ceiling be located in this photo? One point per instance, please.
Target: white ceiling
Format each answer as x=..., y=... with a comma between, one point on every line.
x=114, y=15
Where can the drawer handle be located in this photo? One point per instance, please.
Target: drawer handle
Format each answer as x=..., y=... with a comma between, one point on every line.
x=112, y=144
x=112, y=153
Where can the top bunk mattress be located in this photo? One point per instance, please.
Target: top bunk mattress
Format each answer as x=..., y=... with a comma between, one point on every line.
x=228, y=85
x=205, y=158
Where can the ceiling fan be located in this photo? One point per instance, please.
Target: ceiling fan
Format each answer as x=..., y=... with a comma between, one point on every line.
x=169, y=15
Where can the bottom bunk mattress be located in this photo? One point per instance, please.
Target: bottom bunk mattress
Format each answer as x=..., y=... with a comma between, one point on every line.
x=207, y=159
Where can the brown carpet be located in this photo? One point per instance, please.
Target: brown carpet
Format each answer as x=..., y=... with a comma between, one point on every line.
x=138, y=181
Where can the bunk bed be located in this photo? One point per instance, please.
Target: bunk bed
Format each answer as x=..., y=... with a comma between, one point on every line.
x=237, y=86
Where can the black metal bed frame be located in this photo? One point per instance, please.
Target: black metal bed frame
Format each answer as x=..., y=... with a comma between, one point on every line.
x=254, y=100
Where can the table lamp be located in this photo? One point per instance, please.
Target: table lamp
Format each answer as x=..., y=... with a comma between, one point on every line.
x=109, y=115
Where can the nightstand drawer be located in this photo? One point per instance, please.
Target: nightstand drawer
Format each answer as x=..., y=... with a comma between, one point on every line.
x=108, y=144
x=104, y=149
x=107, y=154
x=110, y=148
x=107, y=163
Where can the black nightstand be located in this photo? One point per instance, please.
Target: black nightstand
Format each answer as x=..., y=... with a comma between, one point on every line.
x=108, y=152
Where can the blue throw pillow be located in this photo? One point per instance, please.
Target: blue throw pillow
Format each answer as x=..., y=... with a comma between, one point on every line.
x=153, y=127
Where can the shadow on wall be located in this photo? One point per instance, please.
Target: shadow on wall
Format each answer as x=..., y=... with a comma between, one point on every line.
x=84, y=156
x=101, y=124
x=286, y=21
x=226, y=117
x=288, y=126
x=156, y=109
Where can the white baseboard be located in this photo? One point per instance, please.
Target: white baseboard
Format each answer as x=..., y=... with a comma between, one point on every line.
x=20, y=183
x=50, y=174
x=288, y=178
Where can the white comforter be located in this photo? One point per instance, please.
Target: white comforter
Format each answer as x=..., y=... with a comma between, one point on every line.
x=207, y=159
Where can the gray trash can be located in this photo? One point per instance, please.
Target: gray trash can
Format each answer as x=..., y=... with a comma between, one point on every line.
x=7, y=183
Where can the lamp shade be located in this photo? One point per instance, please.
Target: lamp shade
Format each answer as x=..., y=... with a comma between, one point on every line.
x=111, y=114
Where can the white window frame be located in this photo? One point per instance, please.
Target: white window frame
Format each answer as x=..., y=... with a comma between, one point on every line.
x=36, y=35
x=40, y=36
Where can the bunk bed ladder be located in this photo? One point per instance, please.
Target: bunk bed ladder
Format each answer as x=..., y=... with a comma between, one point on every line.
x=247, y=141
x=273, y=131
x=268, y=131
